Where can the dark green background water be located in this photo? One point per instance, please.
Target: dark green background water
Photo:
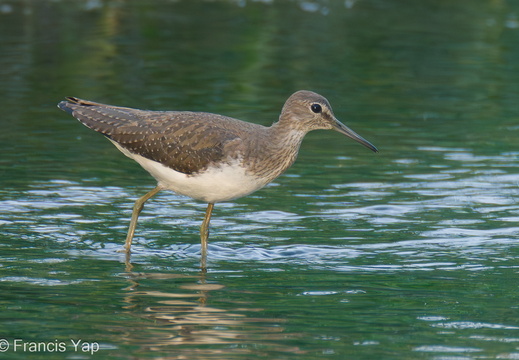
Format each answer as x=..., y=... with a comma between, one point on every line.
x=411, y=253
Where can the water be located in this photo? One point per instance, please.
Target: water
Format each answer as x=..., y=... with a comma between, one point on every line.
x=410, y=253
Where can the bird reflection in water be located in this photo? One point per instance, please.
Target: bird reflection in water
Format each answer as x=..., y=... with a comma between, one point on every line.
x=175, y=315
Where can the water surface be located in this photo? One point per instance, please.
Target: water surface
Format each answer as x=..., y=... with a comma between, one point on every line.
x=410, y=253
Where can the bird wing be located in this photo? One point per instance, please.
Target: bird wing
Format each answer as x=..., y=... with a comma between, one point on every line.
x=187, y=142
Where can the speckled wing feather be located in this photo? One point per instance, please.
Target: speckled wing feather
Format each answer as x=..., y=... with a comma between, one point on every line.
x=183, y=141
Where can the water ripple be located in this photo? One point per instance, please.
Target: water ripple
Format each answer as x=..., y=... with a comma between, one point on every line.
x=466, y=217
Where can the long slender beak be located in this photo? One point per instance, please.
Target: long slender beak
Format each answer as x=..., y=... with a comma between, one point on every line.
x=343, y=129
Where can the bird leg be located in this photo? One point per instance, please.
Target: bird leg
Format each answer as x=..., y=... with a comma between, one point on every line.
x=137, y=208
x=204, y=229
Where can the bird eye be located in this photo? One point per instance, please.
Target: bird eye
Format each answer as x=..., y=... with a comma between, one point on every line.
x=316, y=108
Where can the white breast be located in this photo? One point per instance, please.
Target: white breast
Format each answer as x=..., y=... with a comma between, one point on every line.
x=216, y=184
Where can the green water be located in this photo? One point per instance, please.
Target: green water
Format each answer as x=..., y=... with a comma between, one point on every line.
x=411, y=253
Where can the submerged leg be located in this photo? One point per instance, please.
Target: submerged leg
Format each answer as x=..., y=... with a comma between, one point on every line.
x=137, y=208
x=204, y=229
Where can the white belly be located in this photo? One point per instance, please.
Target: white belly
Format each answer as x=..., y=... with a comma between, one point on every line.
x=214, y=185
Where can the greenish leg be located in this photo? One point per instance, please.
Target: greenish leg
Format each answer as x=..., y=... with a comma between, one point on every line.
x=137, y=208
x=204, y=231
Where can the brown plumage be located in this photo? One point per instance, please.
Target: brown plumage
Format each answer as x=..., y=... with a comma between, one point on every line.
x=184, y=141
x=207, y=156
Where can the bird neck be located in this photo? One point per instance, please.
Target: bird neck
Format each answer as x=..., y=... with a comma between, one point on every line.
x=284, y=135
x=275, y=151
